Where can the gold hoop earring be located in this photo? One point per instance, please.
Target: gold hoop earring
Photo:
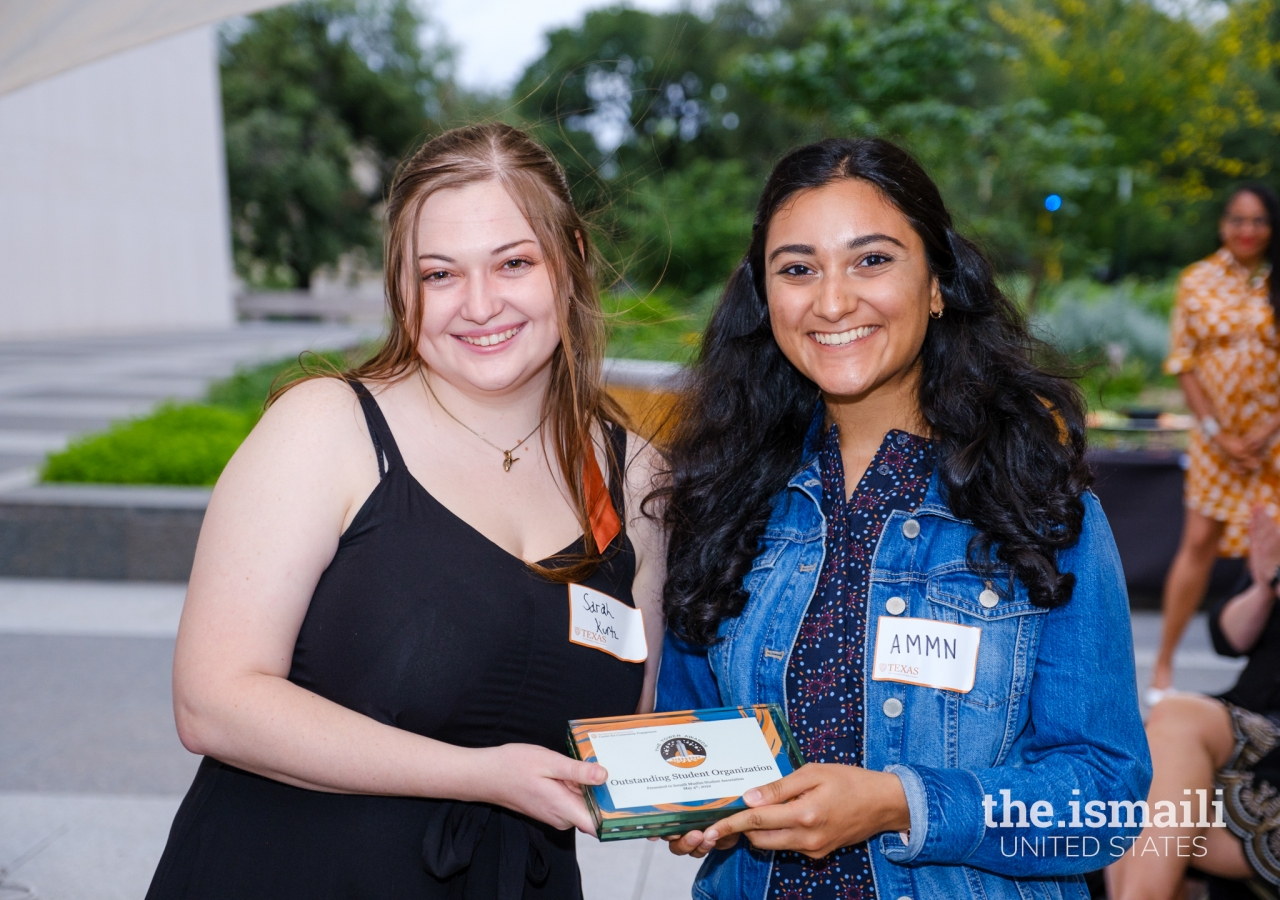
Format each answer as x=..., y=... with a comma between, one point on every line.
x=936, y=315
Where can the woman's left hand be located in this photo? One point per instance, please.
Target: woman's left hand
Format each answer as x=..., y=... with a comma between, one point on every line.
x=817, y=810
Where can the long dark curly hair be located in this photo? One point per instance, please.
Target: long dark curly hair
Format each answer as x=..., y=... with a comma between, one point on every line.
x=1009, y=437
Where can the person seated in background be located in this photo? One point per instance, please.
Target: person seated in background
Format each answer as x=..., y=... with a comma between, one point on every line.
x=1222, y=348
x=1229, y=742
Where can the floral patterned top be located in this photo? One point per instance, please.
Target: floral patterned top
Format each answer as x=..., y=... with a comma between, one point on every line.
x=1224, y=331
x=825, y=673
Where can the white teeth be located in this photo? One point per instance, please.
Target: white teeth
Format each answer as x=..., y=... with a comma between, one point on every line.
x=489, y=340
x=843, y=337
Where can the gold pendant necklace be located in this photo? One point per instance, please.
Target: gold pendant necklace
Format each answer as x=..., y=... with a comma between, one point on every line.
x=507, y=458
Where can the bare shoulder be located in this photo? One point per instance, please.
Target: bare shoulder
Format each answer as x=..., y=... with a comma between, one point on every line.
x=321, y=412
x=315, y=427
x=324, y=400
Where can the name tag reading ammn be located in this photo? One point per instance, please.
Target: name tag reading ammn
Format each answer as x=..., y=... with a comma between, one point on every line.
x=606, y=623
x=928, y=653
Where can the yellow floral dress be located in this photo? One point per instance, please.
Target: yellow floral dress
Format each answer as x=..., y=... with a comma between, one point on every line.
x=1224, y=331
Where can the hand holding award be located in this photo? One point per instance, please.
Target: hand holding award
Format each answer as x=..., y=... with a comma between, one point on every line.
x=670, y=773
x=538, y=782
x=809, y=812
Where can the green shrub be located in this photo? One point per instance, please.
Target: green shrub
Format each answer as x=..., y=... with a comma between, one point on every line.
x=657, y=325
x=1122, y=321
x=187, y=444
x=247, y=389
x=1117, y=335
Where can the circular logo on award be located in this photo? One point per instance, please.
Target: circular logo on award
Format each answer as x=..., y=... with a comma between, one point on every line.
x=683, y=752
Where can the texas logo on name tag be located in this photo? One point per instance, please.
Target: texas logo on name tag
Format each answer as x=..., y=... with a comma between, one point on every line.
x=606, y=623
x=927, y=653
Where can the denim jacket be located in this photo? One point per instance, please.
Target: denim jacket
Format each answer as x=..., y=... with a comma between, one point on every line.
x=1052, y=715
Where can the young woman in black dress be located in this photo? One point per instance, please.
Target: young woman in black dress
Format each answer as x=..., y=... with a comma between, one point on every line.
x=377, y=656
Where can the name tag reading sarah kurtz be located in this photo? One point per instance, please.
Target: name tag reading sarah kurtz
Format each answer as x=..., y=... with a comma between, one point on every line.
x=926, y=652
x=605, y=623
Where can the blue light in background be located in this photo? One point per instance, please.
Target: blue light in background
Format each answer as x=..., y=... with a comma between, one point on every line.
x=1053, y=203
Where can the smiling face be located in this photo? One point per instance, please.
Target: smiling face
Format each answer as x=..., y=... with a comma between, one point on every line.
x=1246, y=229
x=489, y=322
x=849, y=290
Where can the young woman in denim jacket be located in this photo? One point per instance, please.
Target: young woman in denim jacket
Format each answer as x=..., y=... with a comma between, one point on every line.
x=866, y=443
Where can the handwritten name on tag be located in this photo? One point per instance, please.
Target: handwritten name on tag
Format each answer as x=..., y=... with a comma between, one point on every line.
x=927, y=653
x=606, y=623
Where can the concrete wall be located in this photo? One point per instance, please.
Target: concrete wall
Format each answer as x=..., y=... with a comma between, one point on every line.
x=113, y=199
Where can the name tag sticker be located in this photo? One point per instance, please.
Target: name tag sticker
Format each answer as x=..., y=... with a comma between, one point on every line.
x=928, y=653
x=606, y=623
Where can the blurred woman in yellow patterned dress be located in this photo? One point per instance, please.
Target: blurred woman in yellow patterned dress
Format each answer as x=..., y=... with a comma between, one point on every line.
x=1223, y=348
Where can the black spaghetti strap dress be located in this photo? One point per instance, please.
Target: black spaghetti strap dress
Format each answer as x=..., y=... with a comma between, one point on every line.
x=422, y=623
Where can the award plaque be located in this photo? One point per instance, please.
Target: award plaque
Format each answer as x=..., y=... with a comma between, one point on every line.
x=679, y=771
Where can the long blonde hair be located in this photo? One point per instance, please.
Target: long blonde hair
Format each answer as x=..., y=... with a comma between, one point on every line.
x=575, y=400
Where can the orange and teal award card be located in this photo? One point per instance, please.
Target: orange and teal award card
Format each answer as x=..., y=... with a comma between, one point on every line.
x=674, y=772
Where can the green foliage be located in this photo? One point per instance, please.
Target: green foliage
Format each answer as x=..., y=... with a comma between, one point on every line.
x=931, y=75
x=1117, y=335
x=665, y=147
x=175, y=445
x=248, y=387
x=1129, y=319
x=658, y=325
x=689, y=229
x=1189, y=102
x=321, y=99
x=1139, y=116
x=860, y=63
x=629, y=94
x=1106, y=387
x=187, y=444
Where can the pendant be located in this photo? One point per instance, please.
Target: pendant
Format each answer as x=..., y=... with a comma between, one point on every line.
x=508, y=459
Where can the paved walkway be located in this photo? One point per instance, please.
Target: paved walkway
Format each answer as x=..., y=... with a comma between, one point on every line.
x=91, y=770
x=52, y=390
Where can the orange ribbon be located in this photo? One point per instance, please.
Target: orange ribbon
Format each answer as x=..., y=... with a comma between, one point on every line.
x=605, y=524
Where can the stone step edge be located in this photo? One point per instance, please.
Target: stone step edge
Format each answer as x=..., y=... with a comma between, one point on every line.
x=122, y=496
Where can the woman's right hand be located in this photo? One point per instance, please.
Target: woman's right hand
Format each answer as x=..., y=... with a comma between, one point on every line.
x=538, y=782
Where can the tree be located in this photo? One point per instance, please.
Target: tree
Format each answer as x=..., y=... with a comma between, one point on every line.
x=664, y=146
x=690, y=228
x=1177, y=95
x=635, y=92
x=321, y=99
x=932, y=75
x=1069, y=136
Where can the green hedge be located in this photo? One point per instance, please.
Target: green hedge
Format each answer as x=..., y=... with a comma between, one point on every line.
x=182, y=444
x=658, y=324
x=174, y=445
